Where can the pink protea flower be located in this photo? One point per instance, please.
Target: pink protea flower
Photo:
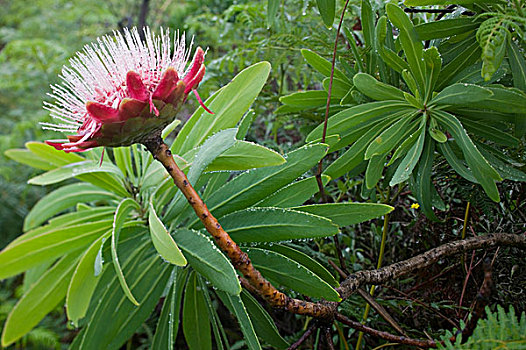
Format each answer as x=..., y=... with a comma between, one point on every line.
x=120, y=90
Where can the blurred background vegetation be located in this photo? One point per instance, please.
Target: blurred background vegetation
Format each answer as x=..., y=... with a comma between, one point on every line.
x=37, y=38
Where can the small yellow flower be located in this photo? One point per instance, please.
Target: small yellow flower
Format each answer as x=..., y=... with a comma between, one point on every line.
x=415, y=206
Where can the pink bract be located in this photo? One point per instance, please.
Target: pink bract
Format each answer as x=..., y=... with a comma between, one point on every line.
x=120, y=90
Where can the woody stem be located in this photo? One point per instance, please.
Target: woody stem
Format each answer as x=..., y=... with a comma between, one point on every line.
x=161, y=152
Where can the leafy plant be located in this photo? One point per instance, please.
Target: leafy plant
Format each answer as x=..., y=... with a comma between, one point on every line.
x=112, y=272
x=501, y=329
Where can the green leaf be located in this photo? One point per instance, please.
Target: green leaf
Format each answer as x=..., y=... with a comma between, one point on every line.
x=374, y=170
x=121, y=214
x=113, y=320
x=468, y=55
x=162, y=241
x=43, y=296
x=327, y=9
x=461, y=95
x=482, y=129
x=48, y=246
x=27, y=157
x=305, y=99
x=272, y=11
x=275, y=224
x=229, y=104
x=206, y=259
x=304, y=260
x=356, y=115
x=294, y=194
x=445, y=28
x=423, y=183
x=390, y=137
x=83, y=282
x=412, y=46
x=74, y=169
x=433, y=63
x=245, y=155
x=481, y=169
x=340, y=88
x=345, y=214
x=235, y=304
x=163, y=338
x=368, y=19
x=492, y=36
x=196, y=324
x=444, y=2
x=455, y=162
x=263, y=323
x=375, y=89
x=252, y=186
x=409, y=162
x=518, y=65
x=323, y=66
x=355, y=154
x=284, y=271
x=63, y=198
x=504, y=99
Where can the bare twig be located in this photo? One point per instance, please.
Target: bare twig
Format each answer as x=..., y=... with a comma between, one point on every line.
x=381, y=310
x=328, y=338
x=423, y=343
x=304, y=337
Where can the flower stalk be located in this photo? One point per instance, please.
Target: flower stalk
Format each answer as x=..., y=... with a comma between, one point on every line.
x=240, y=260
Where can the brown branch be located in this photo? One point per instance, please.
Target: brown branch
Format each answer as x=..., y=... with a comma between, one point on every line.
x=304, y=337
x=396, y=270
x=424, y=343
x=239, y=259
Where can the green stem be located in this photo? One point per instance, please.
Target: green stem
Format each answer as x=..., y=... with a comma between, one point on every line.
x=373, y=287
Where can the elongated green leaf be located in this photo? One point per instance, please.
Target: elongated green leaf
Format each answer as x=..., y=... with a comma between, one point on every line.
x=235, y=304
x=354, y=116
x=461, y=95
x=206, y=259
x=344, y=214
x=217, y=327
x=518, y=65
x=244, y=155
x=252, y=186
x=27, y=157
x=506, y=100
x=74, y=169
x=355, y=154
x=433, y=63
x=284, y=271
x=31, y=252
x=455, y=162
x=468, y=54
x=445, y=28
x=505, y=169
x=423, y=182
x=121, y=214
x=162, y=241
x=413, y=48
x=229, y=104
x=272, y=11
x=39, y=300
x=305, y=99
x=63, y=198
x=196, y=325
x=164, y=333
x=388, y=56
x=375, y=89
x=327, y=10
x=263, y=323
x=406, y=145
x=294, y=194
x=481, y=169
x=112, y=321
x=83, y=282
x=340, y=88
x=275, y=224
x=411, y=159
x=374, y=170
x=444, y=2
x=490, y=133
x=304, y=260
x=391, y=137
x=322, y=65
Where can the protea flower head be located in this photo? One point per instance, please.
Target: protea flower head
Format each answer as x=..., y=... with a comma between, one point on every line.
x=120, y=90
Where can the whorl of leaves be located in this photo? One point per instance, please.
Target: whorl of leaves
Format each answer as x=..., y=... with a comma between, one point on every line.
x=501, y=330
